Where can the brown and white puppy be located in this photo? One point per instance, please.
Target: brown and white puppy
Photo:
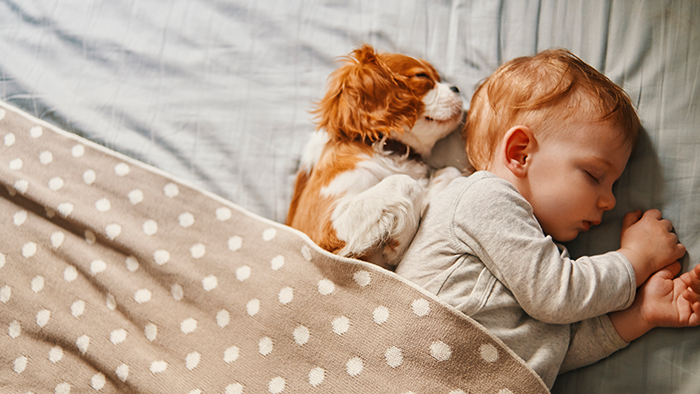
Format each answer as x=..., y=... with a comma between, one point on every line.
x=363, y=184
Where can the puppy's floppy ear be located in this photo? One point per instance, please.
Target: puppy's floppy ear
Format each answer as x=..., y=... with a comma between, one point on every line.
x=366, y=100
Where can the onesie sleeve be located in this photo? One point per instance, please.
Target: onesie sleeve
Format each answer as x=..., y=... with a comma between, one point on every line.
x=591, y=340
x=498, y=225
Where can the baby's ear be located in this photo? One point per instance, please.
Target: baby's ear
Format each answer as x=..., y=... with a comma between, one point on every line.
x=518, y=144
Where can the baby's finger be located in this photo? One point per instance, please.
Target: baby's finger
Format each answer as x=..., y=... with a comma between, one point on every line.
x=653, y=213
x=692, y=279
x=692, y=297
x=631, y=218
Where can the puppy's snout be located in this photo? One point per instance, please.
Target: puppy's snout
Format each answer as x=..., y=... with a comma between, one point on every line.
x=454, y=89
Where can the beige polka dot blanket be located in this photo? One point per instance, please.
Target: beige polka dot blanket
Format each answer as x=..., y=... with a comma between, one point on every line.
x=117, y=278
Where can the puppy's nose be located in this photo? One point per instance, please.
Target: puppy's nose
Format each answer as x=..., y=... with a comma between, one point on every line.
x=454, y=89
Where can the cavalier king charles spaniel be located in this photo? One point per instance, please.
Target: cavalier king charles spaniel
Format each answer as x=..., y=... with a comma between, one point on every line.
x=363, y=181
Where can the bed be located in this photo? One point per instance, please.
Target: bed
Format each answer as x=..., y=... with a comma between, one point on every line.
x=147, y=161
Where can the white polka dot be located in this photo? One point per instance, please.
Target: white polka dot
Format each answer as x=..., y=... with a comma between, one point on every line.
x=354, y=366
x=150, y=227
x=29, y=249
x=56, y=183
x=192, y=360
x=341, y=325
x=45, y=157
x=62, y=388
x=103, y=205
x=457, y=392
x=77, y=308
x=57, y=239
x=231, y=354
x=316, y=376
x=121, y=169
x=277, y=262
x=89, y=177
x=151, y=332
x=65, y=209
x=188, y=326
x=158, y=367
x=19, y=218
x=42, y=318
x=135, y=196
x=142, y=295
x=20, y=364
x=111, y=302
x=90, y=237
x=70, y=274
x=210, y=282
x=161, y=257
x=113, y=230
x=265, y=346
x=97, y=266
x=132, y=265
x=394, y=357
x=16, y=164
x=420, y=307
x=301, y=335
x=2, y=260
x=440, y=351
x=36, y=131
x=269, y=234
x=326, y=287
x=488, y=352
x=223, y=318
x=186, y=219
x=197, y=251
x=276, y=385
x=223, y=214
x=243, y=273
x=177, y=292
x=306, y=252
x=286, y=295
x=77, y=150
x=234, y=388
x=14, y=330
x=37, y=284
x=83, y=342
x=362, y=278
x=98, y=381
x=122, y=372
x=234, y=243
x=504, y=391
x=118, y=336
x=171, y=190
x=380, y=315
x=22, y=185
x=253, y=307
x=55, y=354
x=5, y=294
x=10, y=139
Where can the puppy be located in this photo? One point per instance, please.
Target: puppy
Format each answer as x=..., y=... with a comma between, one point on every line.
x=363, y=182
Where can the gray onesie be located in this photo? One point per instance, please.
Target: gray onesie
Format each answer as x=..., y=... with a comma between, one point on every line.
x=480, y=249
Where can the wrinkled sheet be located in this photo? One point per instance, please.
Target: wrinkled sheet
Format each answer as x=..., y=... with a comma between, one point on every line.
x=218, y=93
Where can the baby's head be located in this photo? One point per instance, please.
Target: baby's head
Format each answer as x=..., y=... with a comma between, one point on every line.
x=559, y=131
x=543, y=92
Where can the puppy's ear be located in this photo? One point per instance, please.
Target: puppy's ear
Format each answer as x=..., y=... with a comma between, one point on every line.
x=365, y=100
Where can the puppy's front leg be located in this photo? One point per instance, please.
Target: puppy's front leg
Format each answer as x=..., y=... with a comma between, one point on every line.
x=438, y=181
x=380, y=222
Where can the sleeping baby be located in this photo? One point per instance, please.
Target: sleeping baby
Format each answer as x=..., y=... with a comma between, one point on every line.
x=549, y=136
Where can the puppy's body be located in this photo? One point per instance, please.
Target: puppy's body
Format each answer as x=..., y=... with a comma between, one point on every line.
x=362, y=184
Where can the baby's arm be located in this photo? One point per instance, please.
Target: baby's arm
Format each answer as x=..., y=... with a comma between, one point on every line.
x=661, y=302
x=648, y=243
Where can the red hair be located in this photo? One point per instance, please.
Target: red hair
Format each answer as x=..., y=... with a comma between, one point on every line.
x=540, y=92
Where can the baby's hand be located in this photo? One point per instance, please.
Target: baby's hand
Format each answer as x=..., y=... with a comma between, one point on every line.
x=661, y=302
x=667, y=302
x=649, y=243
